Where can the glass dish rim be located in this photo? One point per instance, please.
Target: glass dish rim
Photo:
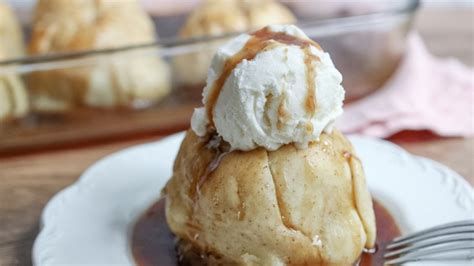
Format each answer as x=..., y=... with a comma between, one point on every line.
x=406, y=10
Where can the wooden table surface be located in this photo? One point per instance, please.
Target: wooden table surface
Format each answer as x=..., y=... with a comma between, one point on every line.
x=27, y=182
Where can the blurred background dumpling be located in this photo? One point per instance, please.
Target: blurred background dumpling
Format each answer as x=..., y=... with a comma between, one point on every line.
x=213, y=18
x=13, y=95
x=117, y=80
x=11, y=37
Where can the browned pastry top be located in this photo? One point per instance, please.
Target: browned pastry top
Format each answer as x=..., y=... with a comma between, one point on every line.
x=72, y=25
x=218, y=17
x=13, y=96
x=11, y=39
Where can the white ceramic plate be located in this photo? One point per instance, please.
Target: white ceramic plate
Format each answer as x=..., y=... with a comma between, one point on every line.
x=90, y=222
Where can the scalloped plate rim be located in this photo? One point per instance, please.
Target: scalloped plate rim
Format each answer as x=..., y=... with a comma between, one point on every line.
x=51, y=206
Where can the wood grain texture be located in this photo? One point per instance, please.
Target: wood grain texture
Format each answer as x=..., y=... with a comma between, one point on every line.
x=27, y=182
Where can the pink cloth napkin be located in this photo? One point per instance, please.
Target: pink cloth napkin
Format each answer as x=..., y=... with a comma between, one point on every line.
x=425, y=93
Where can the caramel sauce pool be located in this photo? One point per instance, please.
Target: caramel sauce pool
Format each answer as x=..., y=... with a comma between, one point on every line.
x=262, y=40
x=153, y=242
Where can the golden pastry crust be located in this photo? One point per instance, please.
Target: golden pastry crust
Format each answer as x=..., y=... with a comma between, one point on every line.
x=216, y=17
x=286, y=207
x=11, y=37
x=117, y=80
x=13, y=96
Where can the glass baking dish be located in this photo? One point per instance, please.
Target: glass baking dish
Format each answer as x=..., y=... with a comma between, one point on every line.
x=366, y=48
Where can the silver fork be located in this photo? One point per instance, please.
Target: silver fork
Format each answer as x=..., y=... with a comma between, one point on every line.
x=448, y=242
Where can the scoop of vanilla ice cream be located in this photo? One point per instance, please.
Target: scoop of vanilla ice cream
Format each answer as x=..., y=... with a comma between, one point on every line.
x=262, y=101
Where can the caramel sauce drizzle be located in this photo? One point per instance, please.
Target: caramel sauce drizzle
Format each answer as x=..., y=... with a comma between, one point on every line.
x=220, y=150
x=260, y=41
x=284, y=212
x=283, y=114
x=309, y=59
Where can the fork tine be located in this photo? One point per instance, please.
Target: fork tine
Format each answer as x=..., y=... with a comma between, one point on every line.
x=449, y=258
x=439, y=227
x=439, y=254
x=429, y=243
x=451, y=228
x=431, y=235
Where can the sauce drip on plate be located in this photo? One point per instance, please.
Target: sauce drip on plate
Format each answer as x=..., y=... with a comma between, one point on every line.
x=154, y=244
